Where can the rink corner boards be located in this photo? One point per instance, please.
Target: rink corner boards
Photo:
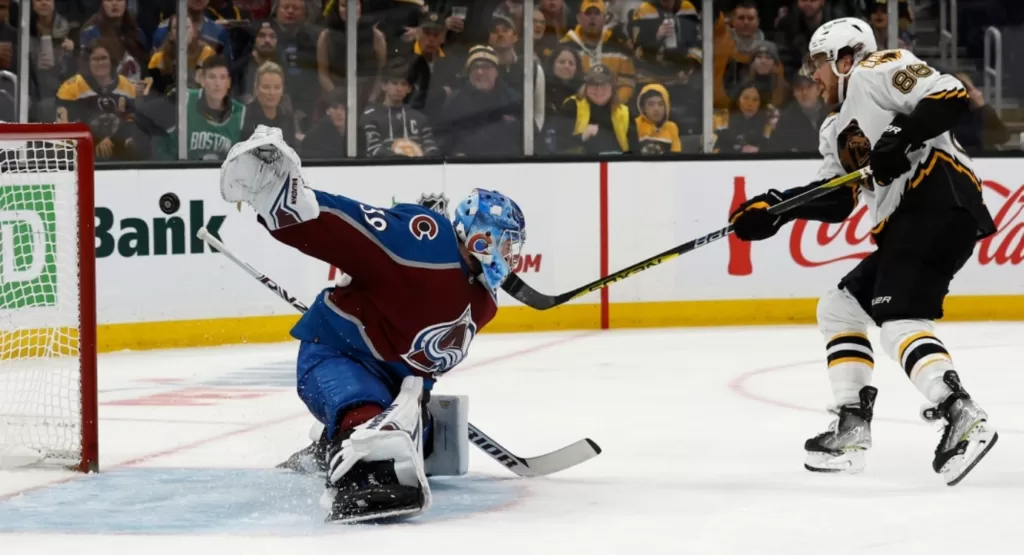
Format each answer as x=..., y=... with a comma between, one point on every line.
x=268, y=329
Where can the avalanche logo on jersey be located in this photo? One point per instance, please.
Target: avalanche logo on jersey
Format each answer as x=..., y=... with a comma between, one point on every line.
x=441, y=347
x=423, y=227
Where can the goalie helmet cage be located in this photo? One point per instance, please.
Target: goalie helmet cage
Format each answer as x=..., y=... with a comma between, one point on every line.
x=48, y=391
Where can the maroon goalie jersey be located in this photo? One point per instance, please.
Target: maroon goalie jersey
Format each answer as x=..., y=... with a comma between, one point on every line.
x=413, y=304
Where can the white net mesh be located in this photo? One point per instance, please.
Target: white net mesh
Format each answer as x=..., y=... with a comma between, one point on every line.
x=40, y=377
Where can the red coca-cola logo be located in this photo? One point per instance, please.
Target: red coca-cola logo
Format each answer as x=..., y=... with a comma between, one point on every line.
x=814, y=244
x=854, y=231
x=1006, y=245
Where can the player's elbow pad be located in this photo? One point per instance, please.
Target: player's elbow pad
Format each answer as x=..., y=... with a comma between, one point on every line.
x=939, y=113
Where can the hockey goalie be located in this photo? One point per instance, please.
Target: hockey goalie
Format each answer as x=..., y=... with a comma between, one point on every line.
x=418, y=288
x=894, y=114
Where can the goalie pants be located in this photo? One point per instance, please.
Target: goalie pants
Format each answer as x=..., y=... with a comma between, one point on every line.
x=918, y=255
x=331, y=383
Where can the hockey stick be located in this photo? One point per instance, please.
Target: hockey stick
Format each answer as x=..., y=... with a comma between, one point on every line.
x=532, y=298
x=527, y=467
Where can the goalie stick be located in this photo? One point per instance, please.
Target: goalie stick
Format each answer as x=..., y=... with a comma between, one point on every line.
x=532, y=298
x=526, y=467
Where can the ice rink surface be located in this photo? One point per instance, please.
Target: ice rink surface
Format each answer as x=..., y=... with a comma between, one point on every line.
x=702, y=432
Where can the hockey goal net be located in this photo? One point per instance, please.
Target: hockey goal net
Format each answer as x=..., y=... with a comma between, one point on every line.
x=47, y=297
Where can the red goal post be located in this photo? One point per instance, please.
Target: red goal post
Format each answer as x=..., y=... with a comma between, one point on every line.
x=48, y=390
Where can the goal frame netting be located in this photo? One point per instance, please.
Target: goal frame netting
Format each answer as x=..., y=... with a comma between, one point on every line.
x=84, y=169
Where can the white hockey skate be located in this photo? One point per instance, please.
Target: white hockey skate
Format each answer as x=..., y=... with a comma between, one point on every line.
x=843, y=447
x=966, y=435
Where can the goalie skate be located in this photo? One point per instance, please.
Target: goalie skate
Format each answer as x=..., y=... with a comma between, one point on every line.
x=311, y=459
x=966, y=435
x=370, y=492
x=375, y=470
x=843, y=447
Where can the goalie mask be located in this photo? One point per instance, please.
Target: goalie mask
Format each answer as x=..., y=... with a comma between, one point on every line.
x=836, y=38
x=493, y=228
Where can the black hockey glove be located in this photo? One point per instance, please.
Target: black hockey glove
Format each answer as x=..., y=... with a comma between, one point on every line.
x=752, y=222
x=889, y=156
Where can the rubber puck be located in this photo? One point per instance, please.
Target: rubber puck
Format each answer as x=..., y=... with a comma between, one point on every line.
x=169, y=203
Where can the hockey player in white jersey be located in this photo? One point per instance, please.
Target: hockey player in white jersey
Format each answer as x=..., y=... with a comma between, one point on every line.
x=894, y=114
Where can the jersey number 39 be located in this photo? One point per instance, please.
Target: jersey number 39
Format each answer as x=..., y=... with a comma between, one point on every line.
x=374, y=217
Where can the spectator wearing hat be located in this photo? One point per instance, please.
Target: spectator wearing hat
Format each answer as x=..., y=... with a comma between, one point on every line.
x=663, y=32
x=392, y=129
x=653, y=133
x=264, y=49
x=431, y=73
x=595, y=121
x=326, y=140
x=800, y=121
x=766, y=74
x=503, y=41
x=481, y=118
x=598, y=45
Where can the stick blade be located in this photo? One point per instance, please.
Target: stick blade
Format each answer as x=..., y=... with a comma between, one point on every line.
x=556, y=461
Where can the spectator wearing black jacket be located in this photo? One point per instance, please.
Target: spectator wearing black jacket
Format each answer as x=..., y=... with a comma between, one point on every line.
x=390, y=128
x=432, y=73
x=482, y=116
x=747, y=126
x=799, y=123
x=268, y=106
x=326, y=140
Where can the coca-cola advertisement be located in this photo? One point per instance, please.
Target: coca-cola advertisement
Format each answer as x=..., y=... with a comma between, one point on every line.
x=805, y=258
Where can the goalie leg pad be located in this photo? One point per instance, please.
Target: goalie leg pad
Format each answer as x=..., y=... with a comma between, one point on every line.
x=264, y=172
x=449, y=437
x=377, y=470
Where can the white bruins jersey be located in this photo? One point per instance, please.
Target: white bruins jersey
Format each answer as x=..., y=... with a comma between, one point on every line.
x=884, y=84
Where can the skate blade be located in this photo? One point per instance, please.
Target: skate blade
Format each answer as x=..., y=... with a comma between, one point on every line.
x=382, y=504
x=980, y=440
x=851, y=462
x=383, y=517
